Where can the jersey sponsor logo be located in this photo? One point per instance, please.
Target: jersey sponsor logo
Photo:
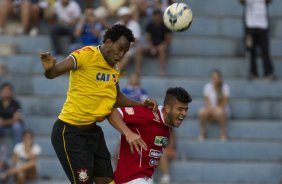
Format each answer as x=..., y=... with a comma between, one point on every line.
x=129, y=110
x=153, y=162
x=82, y=175
x=155, y=153
x=161, y=141
x=105, y=77
x=156, y=117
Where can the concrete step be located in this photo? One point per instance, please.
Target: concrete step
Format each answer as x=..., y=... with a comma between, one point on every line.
x=28, y=44
x=199, y=171
x=241, y=108
x=229, y=150
x=7, y=49
x=246, y=129
x=265, y=130
x=235, y=150
x=194, y=45
x=226, y=27
x=231, y=67
x=239, y=88
x=226, y=172
x=258, y=140
x=215, y=46
x=221, y=8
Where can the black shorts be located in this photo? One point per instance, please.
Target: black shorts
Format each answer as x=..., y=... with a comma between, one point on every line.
x=82, y=153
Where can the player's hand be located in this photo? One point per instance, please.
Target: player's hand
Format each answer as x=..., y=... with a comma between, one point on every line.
x=151, y=103
x=47, y=60
x=135, y=142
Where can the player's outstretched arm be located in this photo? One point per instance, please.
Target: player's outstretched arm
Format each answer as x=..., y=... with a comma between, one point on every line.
x=53, y=69
x=134, y=140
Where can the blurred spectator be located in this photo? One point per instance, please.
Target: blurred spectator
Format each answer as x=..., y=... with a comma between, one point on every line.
x=68, y=13
x=216, y=97
x=3, y=160
x=15, y=7
x=49, y=11
x=87, y=31
x=29, y=12
x=125, y=18
x=138, y=8
x=168, y=155
x=158, y=39
x=109, y=8
x=24, y=160
x=11, y=121
x=37, y=9
x=133, y=89
x=256, y=35
x=157, y=4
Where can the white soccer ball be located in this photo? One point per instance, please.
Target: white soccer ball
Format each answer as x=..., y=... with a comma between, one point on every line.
x=178, y=17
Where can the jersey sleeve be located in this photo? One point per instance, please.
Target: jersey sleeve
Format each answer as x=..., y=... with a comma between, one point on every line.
x=81, y=56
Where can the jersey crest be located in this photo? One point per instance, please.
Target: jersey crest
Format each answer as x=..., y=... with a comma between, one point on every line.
x=82, y=175
x=129, y=110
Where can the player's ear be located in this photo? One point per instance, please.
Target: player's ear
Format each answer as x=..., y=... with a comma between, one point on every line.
x=166, y=108
x=108, y=42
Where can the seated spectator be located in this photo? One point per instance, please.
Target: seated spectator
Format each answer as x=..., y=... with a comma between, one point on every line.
x=138, y=8
x=24, y=160
x=109, y=8
x=133, y=89
x=168, y=155
x=15, y=7
x=29, y=12
x=157, y=4
x=67, y=13
x=38, y=8
x=87, y=31
x=11, y=121
x=125, y=18
x=158, y=38
x=216, y=97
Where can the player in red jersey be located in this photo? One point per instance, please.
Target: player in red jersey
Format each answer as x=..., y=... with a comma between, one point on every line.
x=154, y=128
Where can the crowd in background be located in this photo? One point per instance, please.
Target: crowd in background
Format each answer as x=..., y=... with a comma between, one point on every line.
x=83, y=23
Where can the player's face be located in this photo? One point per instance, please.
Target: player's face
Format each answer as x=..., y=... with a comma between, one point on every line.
x=177, y=113
x=117, y=50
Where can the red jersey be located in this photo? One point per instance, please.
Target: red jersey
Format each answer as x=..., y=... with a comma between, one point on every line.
x=150, y=126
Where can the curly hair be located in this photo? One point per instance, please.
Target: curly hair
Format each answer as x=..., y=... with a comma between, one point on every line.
x=179, y=93
x=118, y=30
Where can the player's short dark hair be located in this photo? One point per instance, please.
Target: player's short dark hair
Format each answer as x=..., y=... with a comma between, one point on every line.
x=118, y=30
x=178, y=93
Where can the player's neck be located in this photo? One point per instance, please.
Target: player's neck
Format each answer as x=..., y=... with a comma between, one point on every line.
x=166, y=119
x=103, y=52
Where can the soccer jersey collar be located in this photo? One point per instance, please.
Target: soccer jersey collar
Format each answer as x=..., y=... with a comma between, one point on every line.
x=161, y=112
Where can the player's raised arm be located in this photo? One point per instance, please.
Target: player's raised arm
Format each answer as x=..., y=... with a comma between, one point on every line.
x=134, y=140
x=53, y=69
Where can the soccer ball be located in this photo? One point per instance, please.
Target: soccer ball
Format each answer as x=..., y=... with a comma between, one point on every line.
x=178, y=17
